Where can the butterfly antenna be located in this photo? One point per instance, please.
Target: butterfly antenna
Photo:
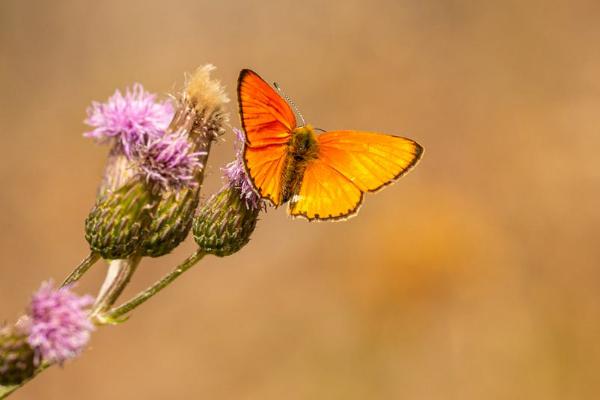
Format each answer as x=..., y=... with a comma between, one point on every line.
x=289, y=101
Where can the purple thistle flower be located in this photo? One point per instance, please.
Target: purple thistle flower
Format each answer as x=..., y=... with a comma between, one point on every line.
x=236, y=176
x=58, y=325
x=129, y=118
x=168, y=160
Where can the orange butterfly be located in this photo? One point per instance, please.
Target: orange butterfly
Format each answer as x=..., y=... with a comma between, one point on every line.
x=322, y=176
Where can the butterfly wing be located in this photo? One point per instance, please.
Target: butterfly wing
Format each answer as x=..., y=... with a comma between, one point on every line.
x=268, y=122
x=325, y=194
x=351, y=162
x=265, y=167
x=370, y=160
x=266, y=118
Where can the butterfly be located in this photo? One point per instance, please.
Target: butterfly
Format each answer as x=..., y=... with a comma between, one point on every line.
x=321, y=176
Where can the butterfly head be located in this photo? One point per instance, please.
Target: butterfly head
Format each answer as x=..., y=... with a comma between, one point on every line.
x=304, y=142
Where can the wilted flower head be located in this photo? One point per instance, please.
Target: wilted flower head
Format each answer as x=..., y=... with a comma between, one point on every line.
x=168, y=160
x=207, y=97
x=128, y=118
x=58, y=326
x=236, y=176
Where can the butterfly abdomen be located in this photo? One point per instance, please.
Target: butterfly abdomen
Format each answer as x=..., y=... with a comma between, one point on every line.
x=302, y=148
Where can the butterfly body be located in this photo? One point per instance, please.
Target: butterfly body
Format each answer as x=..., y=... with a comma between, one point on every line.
x=321, y=176
x=302, y=149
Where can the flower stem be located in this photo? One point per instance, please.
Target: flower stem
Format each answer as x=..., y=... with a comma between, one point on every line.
x=118, y=276
x=119, y=312
x=5, y=391
x=81, y=269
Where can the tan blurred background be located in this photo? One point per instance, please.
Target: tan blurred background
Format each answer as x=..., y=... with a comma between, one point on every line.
x=475, y=277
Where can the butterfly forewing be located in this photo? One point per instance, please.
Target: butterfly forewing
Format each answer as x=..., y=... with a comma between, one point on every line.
x=369, y=160
x=266, y=118
x=268, y=122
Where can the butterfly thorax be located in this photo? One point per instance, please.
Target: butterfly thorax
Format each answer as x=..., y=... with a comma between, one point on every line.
x=302, y=148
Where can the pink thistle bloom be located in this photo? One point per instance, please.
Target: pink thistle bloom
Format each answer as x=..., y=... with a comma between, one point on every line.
x=168, y=160
x=129, y=118
x=58, y=326
x=236, y=176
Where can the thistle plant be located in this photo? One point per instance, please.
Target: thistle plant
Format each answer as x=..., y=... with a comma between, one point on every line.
x=147, y=202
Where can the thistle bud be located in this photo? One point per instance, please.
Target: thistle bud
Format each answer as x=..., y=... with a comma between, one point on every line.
x=224, y=224
x=171, y=222
x=16, y=356
x=115, y=226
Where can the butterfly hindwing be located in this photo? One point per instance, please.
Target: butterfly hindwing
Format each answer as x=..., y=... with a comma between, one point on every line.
x=268, y=122
x=325, y=194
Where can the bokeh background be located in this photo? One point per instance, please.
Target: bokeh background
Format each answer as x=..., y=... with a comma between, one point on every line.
x=474, y=277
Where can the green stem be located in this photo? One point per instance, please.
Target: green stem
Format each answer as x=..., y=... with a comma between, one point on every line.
x=117, y=278
x=119, y=312
x=81, y=269
x=5, y=391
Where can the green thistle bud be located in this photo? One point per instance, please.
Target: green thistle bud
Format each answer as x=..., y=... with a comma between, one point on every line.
x=16, y=357
x=224, y=224
x=171, y=222
x=115, y=226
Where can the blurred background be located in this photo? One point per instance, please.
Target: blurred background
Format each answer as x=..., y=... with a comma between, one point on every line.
x=475, y=276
